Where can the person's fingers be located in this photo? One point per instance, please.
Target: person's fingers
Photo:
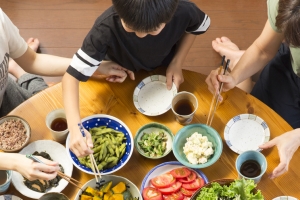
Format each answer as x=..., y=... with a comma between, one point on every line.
x=131, y=74
x=118, y=72
x=89, y=140
x=269, y=144
x=279, y=170
x=42, y=175
x=46, y=168
x=48, y=162
x=169, y=81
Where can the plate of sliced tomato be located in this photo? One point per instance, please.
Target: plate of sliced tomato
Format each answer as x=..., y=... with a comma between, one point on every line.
x=172, y=181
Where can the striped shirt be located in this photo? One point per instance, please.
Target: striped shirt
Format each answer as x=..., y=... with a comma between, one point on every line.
x=107, y=40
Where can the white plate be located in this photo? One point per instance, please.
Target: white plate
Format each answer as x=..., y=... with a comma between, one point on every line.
x=58, y=153
x=9, y=197
x=151, y=97
x=285, y=198
x=246, y=132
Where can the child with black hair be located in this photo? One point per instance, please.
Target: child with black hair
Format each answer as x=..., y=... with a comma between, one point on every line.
x=134, y=34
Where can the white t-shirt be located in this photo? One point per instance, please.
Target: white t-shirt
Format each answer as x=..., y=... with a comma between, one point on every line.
x=11, y=45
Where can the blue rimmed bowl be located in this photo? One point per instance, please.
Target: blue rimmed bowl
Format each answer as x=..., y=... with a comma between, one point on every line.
x=164, y=168
x=110, y=122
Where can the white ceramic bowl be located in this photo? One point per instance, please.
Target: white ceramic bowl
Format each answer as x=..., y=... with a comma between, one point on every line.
x=110, y=122
x=164, y=168
x=58, y=153
x=115, y=179
x=285, y=198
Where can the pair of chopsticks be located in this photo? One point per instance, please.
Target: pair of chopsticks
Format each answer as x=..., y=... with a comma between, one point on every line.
x=92, y=159
x=59, y=173
x=215, y=100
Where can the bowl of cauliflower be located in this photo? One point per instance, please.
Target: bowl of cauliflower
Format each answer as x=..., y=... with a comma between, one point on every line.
x=197, y=146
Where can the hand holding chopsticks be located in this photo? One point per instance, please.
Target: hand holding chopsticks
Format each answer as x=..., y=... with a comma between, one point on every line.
x=216, y=97
x=59, y=173
x=93, y=161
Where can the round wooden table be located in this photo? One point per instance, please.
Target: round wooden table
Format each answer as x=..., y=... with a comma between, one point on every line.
x=95, y=93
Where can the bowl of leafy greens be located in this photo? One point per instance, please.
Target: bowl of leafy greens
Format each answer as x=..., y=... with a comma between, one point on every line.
x=229, y=189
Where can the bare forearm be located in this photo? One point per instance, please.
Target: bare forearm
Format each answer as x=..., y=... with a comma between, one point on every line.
x=43, y=64
x=71, y=100
x=11, y=161
x=183, y=48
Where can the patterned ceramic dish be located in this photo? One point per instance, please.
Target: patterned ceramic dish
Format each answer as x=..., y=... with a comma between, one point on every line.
x=151, y=97
x=115, y=179
x=246, y=132
x=9, y=197
x=285, y=198
x=110, y=122
x=58, y=153
x=164, y=168
x=150, y=128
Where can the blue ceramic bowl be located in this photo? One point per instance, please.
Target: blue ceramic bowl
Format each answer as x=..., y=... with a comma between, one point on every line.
x=110, y=122
x=185, y=132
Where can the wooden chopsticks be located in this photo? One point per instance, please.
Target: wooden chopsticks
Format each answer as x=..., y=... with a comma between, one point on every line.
x=215, y=100
x=92, y=159
x=59, y=173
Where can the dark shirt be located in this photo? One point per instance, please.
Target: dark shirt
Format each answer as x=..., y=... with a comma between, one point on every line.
x=108, y=39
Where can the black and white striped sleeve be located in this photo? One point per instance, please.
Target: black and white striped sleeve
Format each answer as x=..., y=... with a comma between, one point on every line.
x=82, y=66
x=199, y=21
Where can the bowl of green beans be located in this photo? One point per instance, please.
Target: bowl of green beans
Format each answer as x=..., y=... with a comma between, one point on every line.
x=113, y=144
x=154, y=140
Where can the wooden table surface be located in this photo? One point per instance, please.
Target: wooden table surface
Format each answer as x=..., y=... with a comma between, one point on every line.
x=95, y=93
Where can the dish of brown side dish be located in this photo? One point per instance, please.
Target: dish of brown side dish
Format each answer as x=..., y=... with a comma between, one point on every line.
x=12, y=134
x=42, y=185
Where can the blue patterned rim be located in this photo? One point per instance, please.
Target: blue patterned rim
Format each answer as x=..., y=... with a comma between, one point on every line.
x=170, y=163
x=110, y=122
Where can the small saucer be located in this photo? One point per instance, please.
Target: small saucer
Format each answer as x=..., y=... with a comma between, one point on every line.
x=285, y=198
x=246, y=132
x=151, y=97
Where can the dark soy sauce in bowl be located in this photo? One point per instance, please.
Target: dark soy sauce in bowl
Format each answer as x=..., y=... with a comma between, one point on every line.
x=59, y=124
x=250, y=168
x=184, y=107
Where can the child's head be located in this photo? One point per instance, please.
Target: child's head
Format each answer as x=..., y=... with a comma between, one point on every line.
x=145, y=16
x=288, y=21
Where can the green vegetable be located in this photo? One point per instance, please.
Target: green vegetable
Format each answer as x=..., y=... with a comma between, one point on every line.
x=238, y=190
x=153, y=144
x=109, y=147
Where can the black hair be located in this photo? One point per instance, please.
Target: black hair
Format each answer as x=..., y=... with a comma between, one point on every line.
x=145, y=15
x=288, y=21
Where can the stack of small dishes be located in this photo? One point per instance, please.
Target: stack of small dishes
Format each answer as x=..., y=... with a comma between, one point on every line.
x=113, y=125
x=186, y=132
x=154, y=140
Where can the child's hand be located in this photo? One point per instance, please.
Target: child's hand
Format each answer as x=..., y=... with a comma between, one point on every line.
x=79, y=145
x=114, y=72
x=34, y=170
x=174, y=74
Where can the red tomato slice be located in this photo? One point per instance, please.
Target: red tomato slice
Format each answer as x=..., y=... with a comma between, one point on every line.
x=163, y=181
x=150, y=193
x=189, y=178
x=202, y=182
x=172, y=189
x=193, y=185
x=174, y=196
x=181, y=172
x=186, y=192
